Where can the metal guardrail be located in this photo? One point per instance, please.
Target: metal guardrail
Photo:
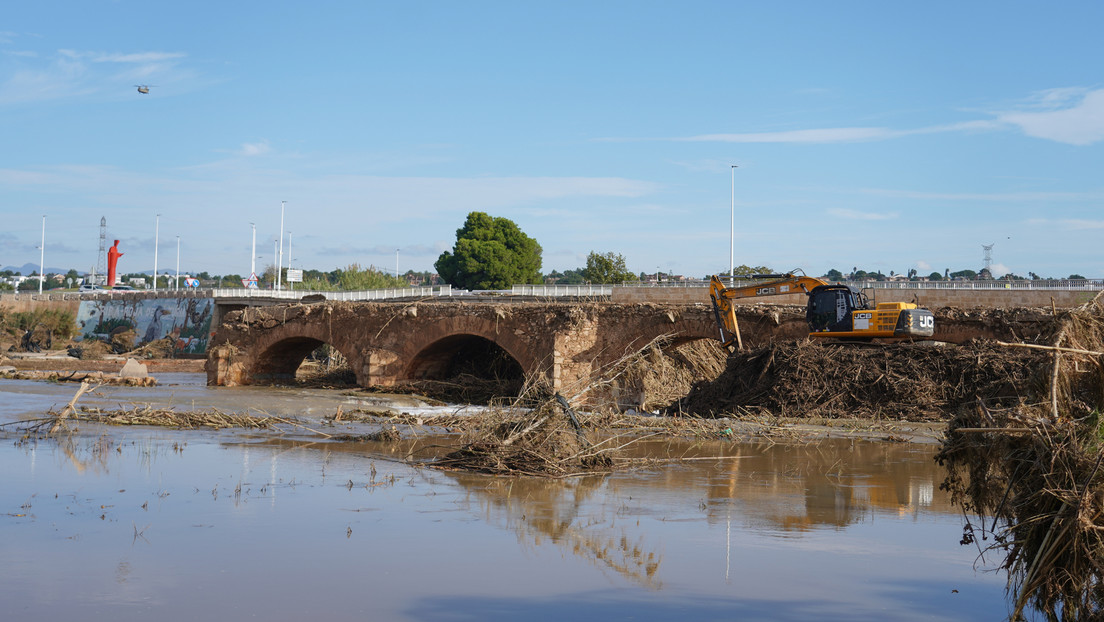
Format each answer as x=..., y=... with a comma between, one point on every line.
x=340, y=296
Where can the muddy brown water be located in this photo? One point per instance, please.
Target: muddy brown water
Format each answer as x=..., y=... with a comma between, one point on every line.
x=144, y=523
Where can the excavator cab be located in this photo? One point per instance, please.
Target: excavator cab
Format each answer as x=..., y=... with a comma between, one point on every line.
x=830, y=308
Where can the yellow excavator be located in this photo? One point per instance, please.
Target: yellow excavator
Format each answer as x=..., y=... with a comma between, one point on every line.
x=833, y=310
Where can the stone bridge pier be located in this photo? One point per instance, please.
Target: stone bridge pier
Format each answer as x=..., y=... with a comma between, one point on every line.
x=387, y=343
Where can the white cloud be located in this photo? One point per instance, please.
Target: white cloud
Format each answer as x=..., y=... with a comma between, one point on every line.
x=841, y=134
x=1003, y=197
x=998, y=270
x=141, y=58
x=851, y=214
x=1074, y=116
x=1071, y=116
x=922, y=267
x=105, y=57
x=255, y=149
x=829, y=135
x=1083, y=224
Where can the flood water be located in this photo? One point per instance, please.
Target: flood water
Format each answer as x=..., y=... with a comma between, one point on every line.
x=142, y=523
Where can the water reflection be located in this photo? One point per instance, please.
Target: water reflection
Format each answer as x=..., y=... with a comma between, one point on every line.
x=692, y=533
x=557, y=512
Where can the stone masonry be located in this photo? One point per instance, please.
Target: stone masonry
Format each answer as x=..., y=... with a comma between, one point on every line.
x=385, y=343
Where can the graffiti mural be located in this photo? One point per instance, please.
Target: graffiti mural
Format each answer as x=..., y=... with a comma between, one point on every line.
x=186, y=320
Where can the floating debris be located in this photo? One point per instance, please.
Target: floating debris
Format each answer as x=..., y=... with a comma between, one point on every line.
x=96, y=377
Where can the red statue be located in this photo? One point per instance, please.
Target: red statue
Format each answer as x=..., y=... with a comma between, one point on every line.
x=113, y=256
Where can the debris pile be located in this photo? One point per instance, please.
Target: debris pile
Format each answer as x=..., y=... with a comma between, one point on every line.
x=167, y=417
x=1034, y=471
x=897, y=381
x=164, y=348
x=547, y=441
x=97, y=377
x=662, y=373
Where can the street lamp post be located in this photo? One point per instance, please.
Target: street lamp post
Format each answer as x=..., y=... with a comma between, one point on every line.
x=176, y=283
x=732, y=227
x=280, y=257
x=42, y=257
x=396, y=263
x=156, y=238
x=253, y=255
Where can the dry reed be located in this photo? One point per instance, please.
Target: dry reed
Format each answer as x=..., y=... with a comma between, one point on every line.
x=1034, y=470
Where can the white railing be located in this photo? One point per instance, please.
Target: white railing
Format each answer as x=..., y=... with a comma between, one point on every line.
x=561, y=290
x=1041, y=284
x=342, y=296
x=1016, y=284
x=680, y=283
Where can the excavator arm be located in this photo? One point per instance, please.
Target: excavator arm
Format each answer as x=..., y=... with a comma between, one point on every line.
x=764, y=285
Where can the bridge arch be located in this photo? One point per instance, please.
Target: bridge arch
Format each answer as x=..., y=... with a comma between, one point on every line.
x=464, y=354
x=283, y=349
x=449, y=342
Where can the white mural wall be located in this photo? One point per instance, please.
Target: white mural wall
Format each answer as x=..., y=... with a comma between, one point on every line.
x=186, y=320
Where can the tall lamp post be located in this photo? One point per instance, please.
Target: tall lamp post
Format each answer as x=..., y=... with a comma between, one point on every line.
x=156, y=238
x=732, y=227
x=280, y=257
x=396, y=263
x=42, y=256
x=253, y=255
x=176, y=284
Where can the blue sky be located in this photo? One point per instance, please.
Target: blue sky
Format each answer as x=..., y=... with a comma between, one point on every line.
x=879, y=135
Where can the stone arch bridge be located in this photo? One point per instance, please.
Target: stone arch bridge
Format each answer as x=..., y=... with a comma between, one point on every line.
x=387, y=343
x=563, y=342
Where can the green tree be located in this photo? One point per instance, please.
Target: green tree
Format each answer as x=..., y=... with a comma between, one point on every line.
x=745, y=270
x=834, y=275
x=351, y=278
x=230, y=280
x=606, y=268
x=1076, y=277
x=935, y=276
x=490, y=253
x=567, y=277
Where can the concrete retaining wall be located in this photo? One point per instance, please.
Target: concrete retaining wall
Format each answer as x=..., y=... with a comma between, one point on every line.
x=19, y=303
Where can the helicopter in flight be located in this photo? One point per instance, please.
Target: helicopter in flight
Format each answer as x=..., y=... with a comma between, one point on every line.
x=143, y=88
